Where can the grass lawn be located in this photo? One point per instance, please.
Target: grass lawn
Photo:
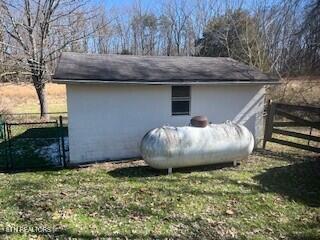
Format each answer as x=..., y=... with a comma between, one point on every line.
x=273, y=195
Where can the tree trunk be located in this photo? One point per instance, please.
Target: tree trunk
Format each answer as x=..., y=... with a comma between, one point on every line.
x=42, y=97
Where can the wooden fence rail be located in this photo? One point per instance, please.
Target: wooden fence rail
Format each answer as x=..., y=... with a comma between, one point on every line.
x=289, y=112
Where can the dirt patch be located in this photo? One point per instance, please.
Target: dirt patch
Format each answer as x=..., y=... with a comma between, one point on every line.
x=109, y=166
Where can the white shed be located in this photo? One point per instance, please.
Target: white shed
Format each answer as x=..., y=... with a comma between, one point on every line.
x=113, y=100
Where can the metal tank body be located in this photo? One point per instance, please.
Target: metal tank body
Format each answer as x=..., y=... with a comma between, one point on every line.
x=174, y=147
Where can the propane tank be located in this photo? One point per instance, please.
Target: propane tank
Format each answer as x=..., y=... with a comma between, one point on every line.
x=174, y=147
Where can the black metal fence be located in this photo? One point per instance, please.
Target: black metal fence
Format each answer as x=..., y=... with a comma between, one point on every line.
x=33, y=144
x=31, y=117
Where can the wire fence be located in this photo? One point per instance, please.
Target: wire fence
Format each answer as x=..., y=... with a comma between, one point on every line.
x=32, y=117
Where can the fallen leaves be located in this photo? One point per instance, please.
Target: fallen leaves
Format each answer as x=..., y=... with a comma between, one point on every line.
x=63, y=193
x=230, y=212
x=62, y=214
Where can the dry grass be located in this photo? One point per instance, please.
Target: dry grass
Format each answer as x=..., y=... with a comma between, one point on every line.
x=300, y=90
x=22, y=98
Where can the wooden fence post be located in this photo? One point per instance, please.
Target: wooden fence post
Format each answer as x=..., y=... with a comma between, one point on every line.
x=269, y=123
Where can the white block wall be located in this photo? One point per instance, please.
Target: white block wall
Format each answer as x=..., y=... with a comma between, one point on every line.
x=108, y=121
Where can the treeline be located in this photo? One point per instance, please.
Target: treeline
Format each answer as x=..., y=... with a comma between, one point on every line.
x=281, y=37
x=276, y=36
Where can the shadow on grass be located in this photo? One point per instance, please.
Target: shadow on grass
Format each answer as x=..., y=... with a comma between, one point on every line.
x=146, y=171
x=53, y=233
x=196, y=228
x=33, y=169
x=71, y=235
x=312, y=233
x=205, y=232
x=303, y=237
x=193, y=227
x=299, y=182
x=291, y=157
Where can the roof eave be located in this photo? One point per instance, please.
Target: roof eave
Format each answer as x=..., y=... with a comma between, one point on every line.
x=224, y=82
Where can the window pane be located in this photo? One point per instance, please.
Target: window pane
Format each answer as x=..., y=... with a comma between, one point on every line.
x=180, y=91
x=180, y=107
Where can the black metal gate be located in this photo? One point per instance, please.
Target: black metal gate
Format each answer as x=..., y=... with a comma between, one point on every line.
x=32, y=145
x=3, y=146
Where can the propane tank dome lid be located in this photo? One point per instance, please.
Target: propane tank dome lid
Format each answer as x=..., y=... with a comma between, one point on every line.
x=199, y=121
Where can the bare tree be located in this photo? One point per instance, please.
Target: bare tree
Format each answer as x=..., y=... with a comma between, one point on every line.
x=166, y=35
x=310, y=37
x=178, y=12
x=102, y=37
x=123, y=31
x=38, y=30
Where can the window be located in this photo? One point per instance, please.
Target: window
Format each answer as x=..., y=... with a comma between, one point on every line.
x=180, y=100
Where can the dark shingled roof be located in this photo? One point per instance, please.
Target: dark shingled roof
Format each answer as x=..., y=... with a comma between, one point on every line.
x=75, y=67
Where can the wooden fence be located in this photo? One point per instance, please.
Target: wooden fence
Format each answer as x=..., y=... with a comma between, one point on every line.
x=277, y=122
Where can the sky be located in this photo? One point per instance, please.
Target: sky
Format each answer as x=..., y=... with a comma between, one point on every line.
x=147, y=4
x=120, y=3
